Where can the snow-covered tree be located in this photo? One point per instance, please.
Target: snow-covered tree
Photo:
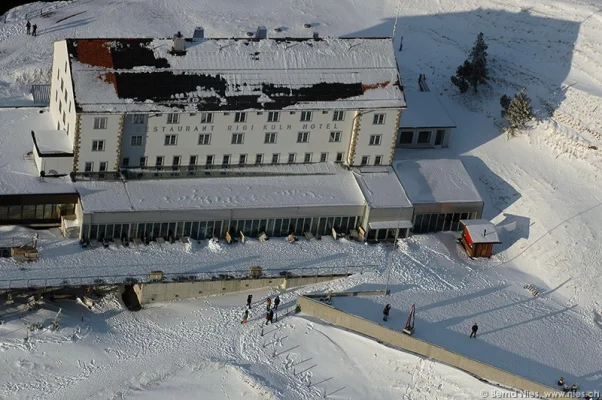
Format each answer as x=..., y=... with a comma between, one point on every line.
x=473, y=72
x=519, y=112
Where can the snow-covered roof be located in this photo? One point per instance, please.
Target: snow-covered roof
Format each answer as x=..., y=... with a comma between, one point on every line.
x=295, y=190
x=18, y=172
x=481, y=230
x=424, y=110
x=436, y=181
x=52, y=142
x=381, y=187
x=144, y=75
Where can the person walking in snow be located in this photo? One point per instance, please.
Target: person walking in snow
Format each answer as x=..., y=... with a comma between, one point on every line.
x=386, y=312
x=475, y=328
x=276, y=302
x=28, y=26
x=245, y=317
x=34, y=30
x=268, y=303
x=271, y=316
x=249, y=301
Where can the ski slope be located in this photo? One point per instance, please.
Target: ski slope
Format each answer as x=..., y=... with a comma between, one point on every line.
x=541, y=189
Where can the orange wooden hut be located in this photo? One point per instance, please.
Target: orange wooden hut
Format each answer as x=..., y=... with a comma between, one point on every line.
x=478, y=237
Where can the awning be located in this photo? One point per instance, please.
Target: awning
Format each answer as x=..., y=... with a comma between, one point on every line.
x=401, y=224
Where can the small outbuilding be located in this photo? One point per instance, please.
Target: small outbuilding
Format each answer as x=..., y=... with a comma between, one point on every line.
x=478, y=237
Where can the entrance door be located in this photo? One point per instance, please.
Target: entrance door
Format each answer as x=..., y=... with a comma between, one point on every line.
x=439, y=137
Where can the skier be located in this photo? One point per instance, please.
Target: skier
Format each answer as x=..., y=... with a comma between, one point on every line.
x=276, y=302
x=475, y=328
x=28, y=26
x=34, y=30
x=268, y=303
x=249, y=301
x=245, y=316
x=386, y=312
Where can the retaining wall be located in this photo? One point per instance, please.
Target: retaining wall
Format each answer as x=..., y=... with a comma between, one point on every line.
x=169, y=291
x=398, y=339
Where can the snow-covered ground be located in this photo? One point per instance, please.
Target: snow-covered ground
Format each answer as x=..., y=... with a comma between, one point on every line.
x=541, y=190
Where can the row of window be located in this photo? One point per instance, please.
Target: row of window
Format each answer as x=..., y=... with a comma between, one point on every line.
x=424, y=223
x=64, y=93
x=227, y=160
x=199, y=230
x=424, y=137
x=237, y=138
x=239, y=117
x=35, y=212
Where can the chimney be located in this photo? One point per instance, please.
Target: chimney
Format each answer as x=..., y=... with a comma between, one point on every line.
x=199, y=33
x=179, y=43
x=316, y=35
x=262, y=32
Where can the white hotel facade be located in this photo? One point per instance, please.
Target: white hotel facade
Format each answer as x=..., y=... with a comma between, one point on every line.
x=255, y=135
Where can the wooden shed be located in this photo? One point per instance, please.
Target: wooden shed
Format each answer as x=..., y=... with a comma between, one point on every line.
x=478, y=237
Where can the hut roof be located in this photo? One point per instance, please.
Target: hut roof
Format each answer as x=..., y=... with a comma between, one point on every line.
x=481, y=231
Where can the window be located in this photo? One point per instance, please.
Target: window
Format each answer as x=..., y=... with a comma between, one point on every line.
x=375, y=140
x=365, y=160
x=142, y=161
x=209, y=160
x=173, y=118
x=192, y=160
x=240, y=117
x=136, y=140
x=270, y=137
x=159, y=161
x=335, y=136
x=126, y=162
x=100, y=122
x=424, y=137
x=291, y=157
x=69, y=106
x=242, y=159
x=64, y=117
x=273, y=116
x=88, y=167
x=171, y=140
x=237, y=138
x=303, y=137
x=307, y=157
x=98, y=145
x=258, y=158
x=56, y=97
x=60, y=107
x=323, y=157
x=62, y=84
x=205, y=138
x=439, y=139
x=65, y=96
x=275, y=158
x=206, y=118
x=226, y=159
x=65, y=67
x=102, y=166
x=176, y=161
x=138, y=119
x=378, y=160
x=305, y=116
x=338, y=115
x=379, y=119
x=339, y=157
x=406, y=137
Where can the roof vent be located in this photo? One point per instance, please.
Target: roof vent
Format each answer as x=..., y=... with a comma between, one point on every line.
x=199, y=33
x=179, y=43
x=316, y=35
x=262, y=32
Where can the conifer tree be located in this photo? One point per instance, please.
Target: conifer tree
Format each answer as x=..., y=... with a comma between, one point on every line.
x=473, y=72
x=519, y=112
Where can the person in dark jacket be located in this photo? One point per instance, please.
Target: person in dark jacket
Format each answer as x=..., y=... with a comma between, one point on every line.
x=34, y=30
x=249, y=300
x=276, y=302
x=271, y=316
x=386, y=312
x=28, y=26
x=475, y=328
